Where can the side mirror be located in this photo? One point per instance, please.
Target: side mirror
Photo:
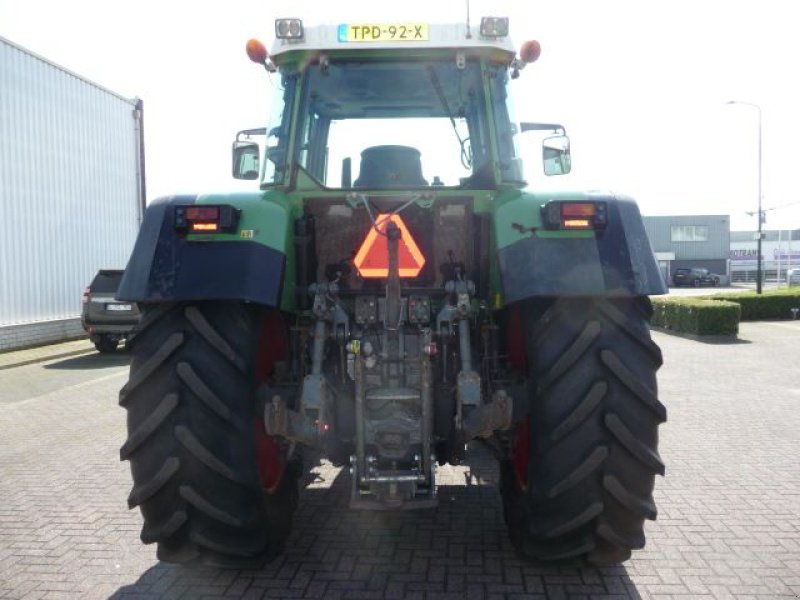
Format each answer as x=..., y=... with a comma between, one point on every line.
x=245, y=160
x=555, y=155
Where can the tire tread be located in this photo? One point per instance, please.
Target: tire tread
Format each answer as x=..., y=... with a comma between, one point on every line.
x=642, y=393
x=172, y=343
x=204, y=455
x=592, y=365
x=647, y=456
x=149, y=426
x=196, y=499
x=144, y=491
x=189, y=397
x=581, y=472
x=572, y=355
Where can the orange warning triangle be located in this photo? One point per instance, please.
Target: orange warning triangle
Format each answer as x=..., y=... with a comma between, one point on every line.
x=372, y=259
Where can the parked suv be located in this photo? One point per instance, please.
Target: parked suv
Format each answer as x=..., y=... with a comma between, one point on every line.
x=694, y=277
x=107, y=320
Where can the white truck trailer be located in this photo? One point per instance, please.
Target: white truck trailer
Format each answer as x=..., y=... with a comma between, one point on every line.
x=72, y=193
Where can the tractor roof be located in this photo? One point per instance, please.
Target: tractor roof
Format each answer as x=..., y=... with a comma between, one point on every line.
x=379, y=36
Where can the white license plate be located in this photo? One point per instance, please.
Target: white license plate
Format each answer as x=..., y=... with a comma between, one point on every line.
x=119, y=307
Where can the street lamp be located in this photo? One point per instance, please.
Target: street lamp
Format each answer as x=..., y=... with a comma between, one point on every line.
x=760, y=212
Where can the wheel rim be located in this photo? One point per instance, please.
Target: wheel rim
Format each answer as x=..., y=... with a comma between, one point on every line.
x=271, y=463
x=272, y=346
x=520, y=453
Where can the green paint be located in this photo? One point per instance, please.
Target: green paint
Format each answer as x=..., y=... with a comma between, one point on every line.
x=265, y=214
x=518, y=215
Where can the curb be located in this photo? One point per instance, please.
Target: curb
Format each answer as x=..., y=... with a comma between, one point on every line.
x=732, y=338
x=39, y=359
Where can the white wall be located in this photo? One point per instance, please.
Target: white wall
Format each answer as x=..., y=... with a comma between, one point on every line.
x=69, y=186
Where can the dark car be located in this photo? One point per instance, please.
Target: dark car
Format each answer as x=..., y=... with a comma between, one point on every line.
x=694, y=277
x=107, y=320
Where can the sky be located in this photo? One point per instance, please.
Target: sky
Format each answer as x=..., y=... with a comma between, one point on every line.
x=640, y=86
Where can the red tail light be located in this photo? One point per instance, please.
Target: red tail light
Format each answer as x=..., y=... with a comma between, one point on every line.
x=578, y=209
x=575, y=215
x=206, y=219
x=202, y=213
x=85, y=296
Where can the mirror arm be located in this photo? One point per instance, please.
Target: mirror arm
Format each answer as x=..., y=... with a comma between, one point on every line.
x=246, y=133
x=554, y=127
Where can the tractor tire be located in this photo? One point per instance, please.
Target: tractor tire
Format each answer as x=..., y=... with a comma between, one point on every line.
x=193, y=438
x=580, y=481
x=105, y=344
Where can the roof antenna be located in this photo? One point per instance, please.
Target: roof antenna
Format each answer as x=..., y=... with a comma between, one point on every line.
x=469, y=34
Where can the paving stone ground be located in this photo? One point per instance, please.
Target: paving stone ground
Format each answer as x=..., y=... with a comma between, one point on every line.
x=728, y=525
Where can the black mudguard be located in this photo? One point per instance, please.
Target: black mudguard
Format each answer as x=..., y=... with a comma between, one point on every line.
x=165, y=266
x=617, y=261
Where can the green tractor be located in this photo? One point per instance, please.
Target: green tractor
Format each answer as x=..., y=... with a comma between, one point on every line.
x=392, y=291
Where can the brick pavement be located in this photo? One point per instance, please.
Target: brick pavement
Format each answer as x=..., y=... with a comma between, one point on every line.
x=728, y=527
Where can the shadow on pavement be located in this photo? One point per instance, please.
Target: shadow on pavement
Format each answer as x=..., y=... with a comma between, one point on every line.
x=714, y=340
x=95, y=360
x=458, y=549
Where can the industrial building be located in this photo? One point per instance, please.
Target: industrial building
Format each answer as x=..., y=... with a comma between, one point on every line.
x=71, y=192
x=705, y=241
x=780, y=251
x=701, y=241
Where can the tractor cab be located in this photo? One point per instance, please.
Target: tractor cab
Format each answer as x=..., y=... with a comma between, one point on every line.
x=402, y=106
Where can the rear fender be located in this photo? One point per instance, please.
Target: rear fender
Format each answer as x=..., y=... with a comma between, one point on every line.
x=536, y=262
x=247, y=264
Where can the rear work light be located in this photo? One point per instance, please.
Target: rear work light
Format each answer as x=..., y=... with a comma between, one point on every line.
x=289, y=29
x=575, y=215
x=494, y=27
x=206, y=219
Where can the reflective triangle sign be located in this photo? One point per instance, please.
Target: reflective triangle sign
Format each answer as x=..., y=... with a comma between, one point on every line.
x=372, y=259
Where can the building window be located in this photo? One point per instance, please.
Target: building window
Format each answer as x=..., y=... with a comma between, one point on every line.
x=689, y=233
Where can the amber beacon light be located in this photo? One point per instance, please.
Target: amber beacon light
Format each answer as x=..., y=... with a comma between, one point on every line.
x=256, y=51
